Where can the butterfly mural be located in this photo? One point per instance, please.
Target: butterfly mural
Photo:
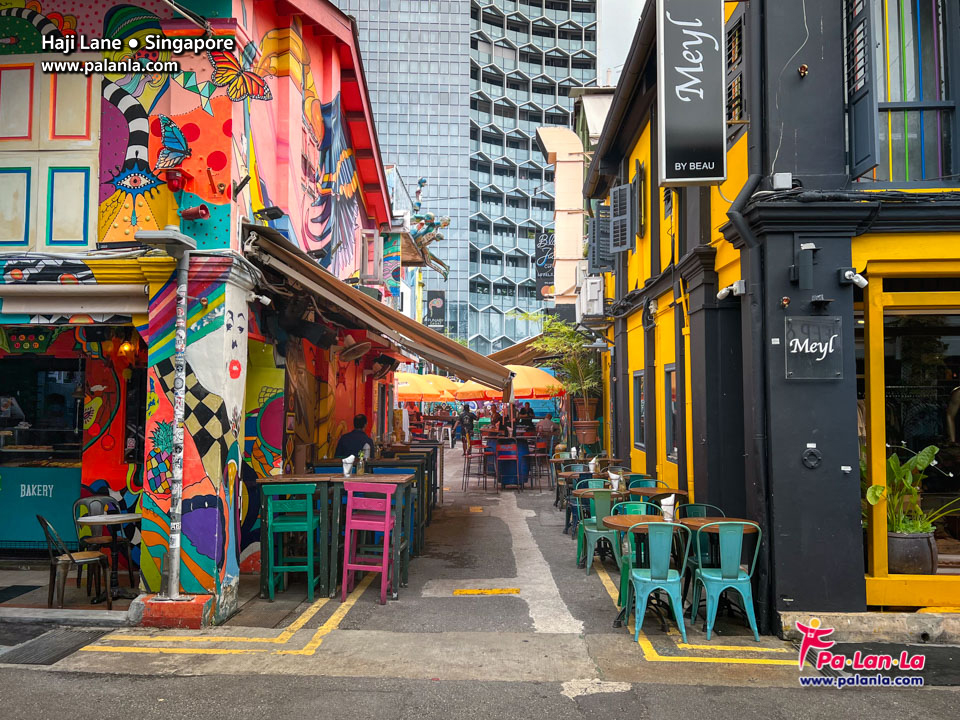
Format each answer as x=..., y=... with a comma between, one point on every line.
x=240, y=83
x=175, y=149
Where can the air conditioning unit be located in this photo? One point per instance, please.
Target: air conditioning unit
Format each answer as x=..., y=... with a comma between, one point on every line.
x=590, y=299
x=581, y=273
x=371, y=248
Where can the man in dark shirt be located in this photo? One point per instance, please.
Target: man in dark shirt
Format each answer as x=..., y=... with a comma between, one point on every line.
x=466, y=421
x=352, y=443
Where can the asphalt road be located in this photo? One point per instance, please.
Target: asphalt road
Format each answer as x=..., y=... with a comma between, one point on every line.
x=31, y=694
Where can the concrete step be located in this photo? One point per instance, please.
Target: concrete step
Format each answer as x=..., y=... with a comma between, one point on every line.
x=56, y=616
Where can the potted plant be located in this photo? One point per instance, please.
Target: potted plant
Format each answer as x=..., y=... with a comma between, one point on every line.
x=911, y=548
x=577, y=368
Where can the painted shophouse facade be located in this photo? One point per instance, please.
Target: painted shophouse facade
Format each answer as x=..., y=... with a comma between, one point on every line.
x=748, y=365
x=274, y=137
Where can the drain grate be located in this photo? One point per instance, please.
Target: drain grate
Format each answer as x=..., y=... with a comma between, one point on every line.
x=51, y=646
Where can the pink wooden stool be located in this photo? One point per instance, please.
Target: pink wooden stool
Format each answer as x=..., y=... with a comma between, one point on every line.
x=368, y=509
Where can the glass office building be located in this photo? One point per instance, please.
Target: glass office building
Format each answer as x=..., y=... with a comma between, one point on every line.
x=459, y=90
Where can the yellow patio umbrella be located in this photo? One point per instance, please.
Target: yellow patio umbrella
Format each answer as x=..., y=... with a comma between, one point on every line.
x=416, y=388
x=533, y=383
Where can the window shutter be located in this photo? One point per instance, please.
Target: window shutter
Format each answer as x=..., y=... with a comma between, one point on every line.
x=600, y=257
x=621, y=218
x=864, y=143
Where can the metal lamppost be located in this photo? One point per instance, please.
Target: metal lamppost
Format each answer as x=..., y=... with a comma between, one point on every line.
x=179, y=246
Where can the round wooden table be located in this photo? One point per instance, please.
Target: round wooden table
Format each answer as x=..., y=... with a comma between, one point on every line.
x=587, y=493
x=656, y=491
x=623, y=523
x=571, y=474
x=112, y=521
x=695, y=523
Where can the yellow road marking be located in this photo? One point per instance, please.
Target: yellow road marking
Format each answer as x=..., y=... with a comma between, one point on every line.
x=169, y=650
x=650, y=653
x=334, y=620
x=738, y=648
x=280, y=639
x=487, y=591
x=476, y=508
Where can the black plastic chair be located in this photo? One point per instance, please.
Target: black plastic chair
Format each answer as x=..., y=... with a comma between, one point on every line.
x=62, y=560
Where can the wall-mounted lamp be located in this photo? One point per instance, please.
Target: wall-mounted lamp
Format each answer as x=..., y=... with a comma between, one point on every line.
x=738, y=288
x=270, y=213
x=850, y=275
x=199, y=212
x=176, y=178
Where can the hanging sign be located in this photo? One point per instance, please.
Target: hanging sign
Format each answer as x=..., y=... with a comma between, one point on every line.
x=436, y=315
x=691, y=92
x=544, y=261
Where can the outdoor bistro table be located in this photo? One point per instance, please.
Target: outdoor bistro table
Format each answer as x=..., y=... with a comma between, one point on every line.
x=113, y=521
x=523, y=453
x=328, y=485
x=587, y=494
x=650, y=492
x=695, y=523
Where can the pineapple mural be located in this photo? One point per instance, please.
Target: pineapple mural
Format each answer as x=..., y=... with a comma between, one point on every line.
x=160, y=459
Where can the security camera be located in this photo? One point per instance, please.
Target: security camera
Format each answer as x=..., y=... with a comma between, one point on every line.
x=262, y=299
x=856, y=278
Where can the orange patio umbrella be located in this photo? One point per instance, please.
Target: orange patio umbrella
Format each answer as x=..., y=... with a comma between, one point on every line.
x=528, y=383
x=447, y=387
x=416, y=388
x=533, y=383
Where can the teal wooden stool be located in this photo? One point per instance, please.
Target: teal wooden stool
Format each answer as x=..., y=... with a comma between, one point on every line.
x=290, y=509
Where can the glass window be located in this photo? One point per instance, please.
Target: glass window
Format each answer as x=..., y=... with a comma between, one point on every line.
x=639, y=435
x=670, y=408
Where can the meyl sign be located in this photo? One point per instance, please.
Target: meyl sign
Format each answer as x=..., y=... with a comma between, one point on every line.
x=691, y=92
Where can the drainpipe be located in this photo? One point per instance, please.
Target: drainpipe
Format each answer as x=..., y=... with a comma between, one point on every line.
x=758, y=378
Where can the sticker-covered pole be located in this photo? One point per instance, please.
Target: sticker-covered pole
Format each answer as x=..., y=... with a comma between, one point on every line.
x=172, y=591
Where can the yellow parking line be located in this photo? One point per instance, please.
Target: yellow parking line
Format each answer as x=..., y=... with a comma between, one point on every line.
x=334, y=620
x=651, y=655
x=487, y=591
x=738, y=648
x=476, y=508
x=280, y=639
x=169, y=650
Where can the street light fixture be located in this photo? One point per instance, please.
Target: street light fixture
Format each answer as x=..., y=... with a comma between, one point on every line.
x=177, y=245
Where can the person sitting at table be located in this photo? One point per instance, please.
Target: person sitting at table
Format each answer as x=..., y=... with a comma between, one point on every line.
x=496, y=421
x=355, y=440
x=526, y=415
x=547, y=426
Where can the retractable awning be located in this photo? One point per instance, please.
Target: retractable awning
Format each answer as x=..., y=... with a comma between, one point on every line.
x=270, y=249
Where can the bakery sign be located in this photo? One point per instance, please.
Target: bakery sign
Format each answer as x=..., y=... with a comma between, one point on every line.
x=691, y=92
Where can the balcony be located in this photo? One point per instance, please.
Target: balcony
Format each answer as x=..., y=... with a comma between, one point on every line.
x=491, y=149
x=480, y=57
x=544, y=43
x=530, y=126
x=491, y=270
x=531, y=68
x=480, y=178
x=493, y=209
x=491, y=89
x=584, y=75
x=518, y=154
x=479, y=299
x=481, y=117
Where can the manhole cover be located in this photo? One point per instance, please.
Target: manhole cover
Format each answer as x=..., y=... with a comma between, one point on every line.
x=51, y=646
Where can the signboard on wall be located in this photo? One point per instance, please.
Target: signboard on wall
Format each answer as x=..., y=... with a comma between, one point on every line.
x=436, y=315
x=543, y=263
x=813, y=347
x=691, y=92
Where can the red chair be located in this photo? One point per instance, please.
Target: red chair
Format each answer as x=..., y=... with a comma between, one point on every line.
x=368, y=509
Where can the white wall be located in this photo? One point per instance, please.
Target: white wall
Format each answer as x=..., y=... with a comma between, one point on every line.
x=616, y=23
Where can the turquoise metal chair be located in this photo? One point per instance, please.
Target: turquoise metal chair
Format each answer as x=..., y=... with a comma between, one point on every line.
x=630, y=507
x=700, y=548
x=658, y=575
x=290, y=509
x=581, y=510
x=729, y=576
x=644, y=481
x=592, y=531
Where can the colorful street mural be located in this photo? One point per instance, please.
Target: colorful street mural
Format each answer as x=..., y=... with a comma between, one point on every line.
x=234, y=132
